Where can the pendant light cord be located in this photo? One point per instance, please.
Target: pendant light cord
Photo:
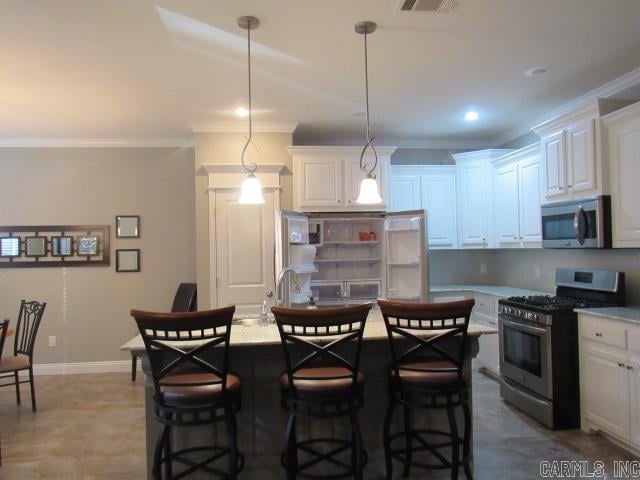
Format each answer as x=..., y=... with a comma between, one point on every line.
x=369, y=138
x=252, y=167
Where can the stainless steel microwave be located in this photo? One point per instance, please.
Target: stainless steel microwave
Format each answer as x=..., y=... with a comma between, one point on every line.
x=582, y=223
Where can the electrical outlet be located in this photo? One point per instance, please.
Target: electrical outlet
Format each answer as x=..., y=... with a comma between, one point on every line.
x=52, y=341
x=483, y=268
x=536, y=272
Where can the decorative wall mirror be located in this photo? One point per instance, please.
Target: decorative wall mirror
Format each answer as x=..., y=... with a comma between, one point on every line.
x=88, y=245
x=128, y=260
x=9, y=247
x=35, y=246
x=127, y=226
x=61, y=246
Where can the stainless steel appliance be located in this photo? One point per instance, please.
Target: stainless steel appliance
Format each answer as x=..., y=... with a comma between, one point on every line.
x=539, y=344
x=582, y=223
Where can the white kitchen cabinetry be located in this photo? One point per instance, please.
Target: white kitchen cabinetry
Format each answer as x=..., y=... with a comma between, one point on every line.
x=431, y=188
x=475, y=205
x=622, y=133
x=516, y=199
x=327, y=179
x=572, y=152
x=610, y=377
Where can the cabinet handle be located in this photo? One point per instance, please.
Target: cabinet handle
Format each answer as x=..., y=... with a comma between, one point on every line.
x=620, y=364
x=339, y=201
x=598, y=334
x=629, y=367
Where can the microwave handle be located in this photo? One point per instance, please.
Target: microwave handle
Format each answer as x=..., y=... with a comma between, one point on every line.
x=580, y=225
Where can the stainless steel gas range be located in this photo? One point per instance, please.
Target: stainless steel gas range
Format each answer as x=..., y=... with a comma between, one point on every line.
x=539, y=344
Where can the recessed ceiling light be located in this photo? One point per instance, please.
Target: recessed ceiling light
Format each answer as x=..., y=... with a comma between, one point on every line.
x=241, y=112
x=471, y=116
x=532, y=72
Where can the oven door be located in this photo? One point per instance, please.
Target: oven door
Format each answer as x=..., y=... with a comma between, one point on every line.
x=525, y=354
x=575, y=224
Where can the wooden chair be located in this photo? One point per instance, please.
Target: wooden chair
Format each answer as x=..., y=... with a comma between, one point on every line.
x=29, y=319
x=322, y=380
x=189, y=358
x=4, y=326
x=425, y=375
x=185, y=300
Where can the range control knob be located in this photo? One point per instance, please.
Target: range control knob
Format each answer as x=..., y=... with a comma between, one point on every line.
x=531, y=316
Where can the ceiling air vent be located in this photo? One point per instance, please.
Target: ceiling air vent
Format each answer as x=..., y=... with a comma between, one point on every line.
x=427, y=5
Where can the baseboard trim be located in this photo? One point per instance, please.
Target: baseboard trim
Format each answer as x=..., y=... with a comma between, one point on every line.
x=82, y=367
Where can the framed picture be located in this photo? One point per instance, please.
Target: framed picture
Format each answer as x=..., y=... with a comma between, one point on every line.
x=35, y=246
x=128, y=260
x=88, y=245
x=9, y=246
x=61, y=246
x=128, y=226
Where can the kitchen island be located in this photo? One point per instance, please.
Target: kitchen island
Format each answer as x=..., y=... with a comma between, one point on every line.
x=256, y=357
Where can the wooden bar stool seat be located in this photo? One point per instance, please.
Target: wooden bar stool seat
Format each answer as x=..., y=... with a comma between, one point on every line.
x=189, y=358
x=322, y=381
x=423, y=375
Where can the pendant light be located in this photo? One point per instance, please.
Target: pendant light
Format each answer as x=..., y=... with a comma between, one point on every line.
x=369, y=194
x=251, y=192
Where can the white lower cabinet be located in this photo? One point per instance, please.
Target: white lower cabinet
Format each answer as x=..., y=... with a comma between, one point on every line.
x=610, y=377
x=605, y=388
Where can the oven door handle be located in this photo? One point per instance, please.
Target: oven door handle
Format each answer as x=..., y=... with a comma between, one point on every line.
x=525, y=328
x=580, y=225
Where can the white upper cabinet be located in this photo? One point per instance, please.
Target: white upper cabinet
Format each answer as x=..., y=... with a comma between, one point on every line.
x=622, y=133
x=327, y=179
x=475, y=204
x=572, y=152
x=516, y=198
x=431, y=188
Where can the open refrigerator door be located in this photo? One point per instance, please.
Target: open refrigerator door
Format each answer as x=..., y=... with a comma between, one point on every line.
x=406, y=260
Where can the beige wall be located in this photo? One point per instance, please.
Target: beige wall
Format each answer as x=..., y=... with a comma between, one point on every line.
x=88, y=307
x=225, y=148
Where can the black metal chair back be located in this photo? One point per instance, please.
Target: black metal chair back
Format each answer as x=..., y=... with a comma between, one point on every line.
x=406, y=320
x=29, y=319
x=186, y=299
x=321, y=332
x=4, y=326
x=167, y=338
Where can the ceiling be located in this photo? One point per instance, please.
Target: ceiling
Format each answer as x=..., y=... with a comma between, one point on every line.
x=144, y=69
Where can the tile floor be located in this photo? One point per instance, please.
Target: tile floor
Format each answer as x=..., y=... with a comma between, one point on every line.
x=92, y=427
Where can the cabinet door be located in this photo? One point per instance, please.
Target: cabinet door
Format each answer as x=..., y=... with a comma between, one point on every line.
x=405, y=192
x=605, y=391
x=473, y=205
x=634, y=403
x=555, y=168
x=581, y=156
x=438, y=193
x=353, y=179
x=320, y=182
x=529, y=191
x=507, y=205
x=624, y=154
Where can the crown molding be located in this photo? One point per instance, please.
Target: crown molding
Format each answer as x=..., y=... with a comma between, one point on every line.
x=487, y=154
x=521, y=153
x=32, y=142
x=260, y=127
x=609, y=89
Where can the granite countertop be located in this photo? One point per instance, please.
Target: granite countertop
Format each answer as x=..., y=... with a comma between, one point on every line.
x=496, y=290
x=268, y=335
x=614, y=313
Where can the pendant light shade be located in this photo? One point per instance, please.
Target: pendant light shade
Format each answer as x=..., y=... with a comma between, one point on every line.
x=369, y=193
x=251, y=193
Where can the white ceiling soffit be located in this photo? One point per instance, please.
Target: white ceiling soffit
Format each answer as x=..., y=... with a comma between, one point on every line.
x=34, y=142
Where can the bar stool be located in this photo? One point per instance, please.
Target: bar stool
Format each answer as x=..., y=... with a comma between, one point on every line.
x=322, y=381
x=189, y=358
x=424, y=375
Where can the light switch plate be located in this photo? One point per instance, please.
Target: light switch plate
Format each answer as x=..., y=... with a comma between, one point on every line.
x=52, y=341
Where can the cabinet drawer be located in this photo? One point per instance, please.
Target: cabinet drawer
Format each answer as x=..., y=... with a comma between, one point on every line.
x=485, y=303
x=603, y=331
x=633, y=334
